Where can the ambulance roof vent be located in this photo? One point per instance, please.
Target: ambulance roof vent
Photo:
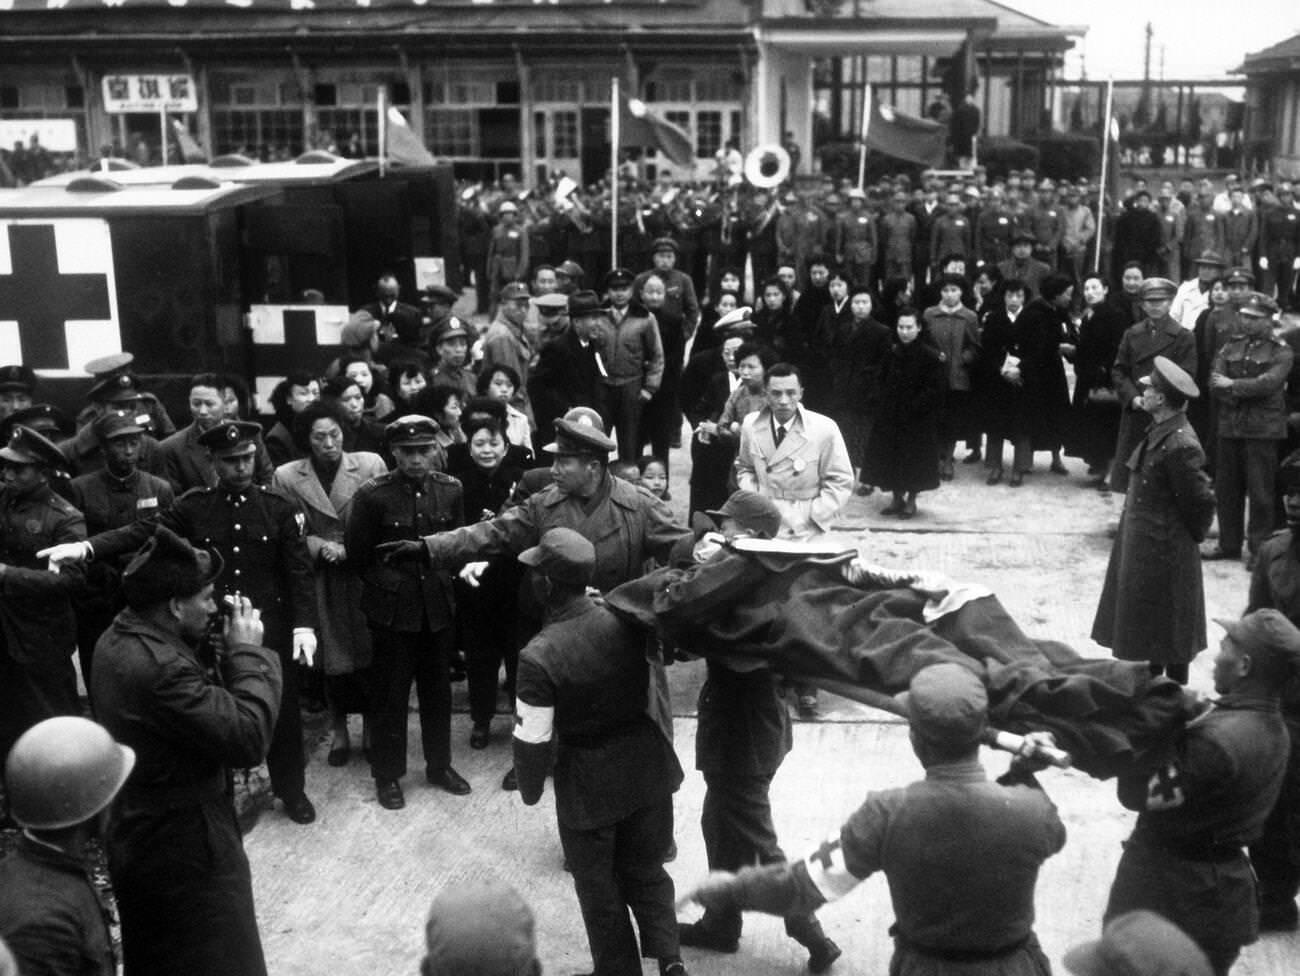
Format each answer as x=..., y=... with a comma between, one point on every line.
x=317, y=157
x=93, y=184
x=231, y=160
x=196, y=183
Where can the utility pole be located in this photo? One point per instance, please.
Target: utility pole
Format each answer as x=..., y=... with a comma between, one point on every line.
x=1146, y=61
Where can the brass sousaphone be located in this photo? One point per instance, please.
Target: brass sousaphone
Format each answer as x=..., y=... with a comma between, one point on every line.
x=767, y=166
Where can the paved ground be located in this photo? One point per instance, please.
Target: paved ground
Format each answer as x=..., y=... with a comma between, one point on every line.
x=348, y=895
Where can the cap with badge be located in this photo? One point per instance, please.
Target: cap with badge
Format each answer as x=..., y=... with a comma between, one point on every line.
x=1239, y=276
x=514, y=291
x=562, y=555
x=1212, y=257
x=1139, y=943
x=663, y=244
x=44, y=418
x=754, y=512
x=412, y=430
x=619, y=278
x=737, y=321
x=947, y=704
x=112, y=425
x=582, y=303
x=1259, y=305
x=1167, y=376
x=17, y=378
x=552, y=303
x=1157, y=288
x=112, y=381
x=167, y=566
x=580, y=433
x=25, y=446
x=439, y=295
x=1265, y=630
x=480, y=929
x=453, y=328
x=231, y=438
x=1023, y=237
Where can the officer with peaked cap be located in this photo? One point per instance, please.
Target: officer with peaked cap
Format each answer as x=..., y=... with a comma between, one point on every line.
x=569, y=364
x=1275, y=583
x=680, y=301
x=408, y=605
x=261, y=537
x=1209, y=795
x=17, y=388
x=44, y=418
x=955, y=823
x=114, y=496
x=175, y=851
x=742, y=738
x=1248, y=381
x=1152, y=605
x=61, y=777
x=106, y=372
x=582, y=696
x=1157, y=334
x=37, y=679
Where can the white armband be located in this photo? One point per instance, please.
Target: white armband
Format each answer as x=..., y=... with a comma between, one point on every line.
x=534, y=724
x=828, y=872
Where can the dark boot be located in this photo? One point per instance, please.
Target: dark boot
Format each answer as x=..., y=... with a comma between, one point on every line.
x=807, y=931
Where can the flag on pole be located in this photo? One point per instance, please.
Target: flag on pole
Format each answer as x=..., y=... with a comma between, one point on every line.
x=190, y=150
x=401, y=145
x=639, y=126
x=904, y=136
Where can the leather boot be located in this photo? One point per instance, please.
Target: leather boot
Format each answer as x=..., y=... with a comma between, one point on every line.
x=807, y=931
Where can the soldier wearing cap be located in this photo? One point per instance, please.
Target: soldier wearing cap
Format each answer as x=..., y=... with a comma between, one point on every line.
x=261, y=537
x=17, y=388
x=188, y=460
x=1138, y=236
x=116, y=391
x=175, y=853
x=633, y=354
x=552, y=314
x=507, y=342
x=583, y=694
x=569, y=277
x=1240, y=228
x=37, y=624
x=437, y=302
x=1193, y=297
x=409, y=606
x=1155, y=335
x=1275, y=584
x=116, y=495
x=44, y=418
x=954, y=824
x=1248, y=381
x=1152, y=605
x=569, y=363
x=679, y=290
x=1279, y=245
x=1207, y=796
x=61, y=777
x=743, y=737
x=508, y=256
x=451, y=348
x=106, y=387
x=855, y=240
x=1045, y=219
x=1023, y=266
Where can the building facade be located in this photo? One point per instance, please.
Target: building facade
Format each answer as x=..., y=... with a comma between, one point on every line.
x=1273, y=106
x=506, y=86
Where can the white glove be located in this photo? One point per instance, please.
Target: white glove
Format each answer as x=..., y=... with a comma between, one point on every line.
x=304, y=645
x=1295, y=265
x=471, y=574
x=1263, y=263
x=65, y=552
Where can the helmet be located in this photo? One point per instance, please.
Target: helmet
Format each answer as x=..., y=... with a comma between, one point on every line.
x=585, y=416
x=63, y=771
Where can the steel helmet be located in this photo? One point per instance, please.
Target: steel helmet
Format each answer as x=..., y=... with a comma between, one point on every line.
x=63, y=771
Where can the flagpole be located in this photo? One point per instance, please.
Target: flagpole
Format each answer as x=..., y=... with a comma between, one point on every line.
x=383, y=132
x=1106, y=161
x=613, y=183
x=866, y=124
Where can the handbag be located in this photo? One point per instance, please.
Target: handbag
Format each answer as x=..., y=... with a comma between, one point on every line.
x=1010, y=369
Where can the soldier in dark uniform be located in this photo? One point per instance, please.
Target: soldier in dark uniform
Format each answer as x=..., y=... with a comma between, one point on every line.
x=261, y=537
x=583, y=687
x=409, y=606
x=17, y=388
x=37, y=626
x=116, y=495
x=1209, y=796
x=179, y=871
x=106, y=373
x=117, y=393
x=743, y=737
x=1275, y=583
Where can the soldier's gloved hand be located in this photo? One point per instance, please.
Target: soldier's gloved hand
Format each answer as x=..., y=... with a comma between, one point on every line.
x=304, y=645
x=1295, y=265
x=1263, y=263
x=715, y=892
x=402, y=551
x=244, y=624
x=65, y=552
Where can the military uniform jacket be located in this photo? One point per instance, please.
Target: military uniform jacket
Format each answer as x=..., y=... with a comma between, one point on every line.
x=50, y=916
x=584, y=682
x=1255, y=404
x=1279, y=236
x=109, y=502
x=1138, y=349
x=404, y=597
x=625, y=523
x=35, y=605
x=261, y=538
x=188, y=465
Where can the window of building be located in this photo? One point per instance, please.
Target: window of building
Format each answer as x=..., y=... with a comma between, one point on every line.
x=258, y=116
x=566, y=135
x=539, y=133
x=8, y=96
x=708, y=133
x=451, y=131
x=552, y=86
x=670, y=89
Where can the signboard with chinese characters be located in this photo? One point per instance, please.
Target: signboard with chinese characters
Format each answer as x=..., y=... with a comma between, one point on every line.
x=150, y=93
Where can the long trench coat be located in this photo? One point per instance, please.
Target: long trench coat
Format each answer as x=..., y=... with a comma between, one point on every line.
x=343, y=637
x=1152, y=604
